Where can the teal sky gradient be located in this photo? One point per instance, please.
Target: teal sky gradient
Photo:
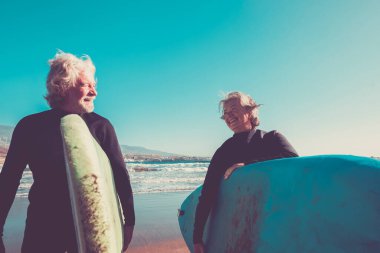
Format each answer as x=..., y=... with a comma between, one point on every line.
x=163, y=65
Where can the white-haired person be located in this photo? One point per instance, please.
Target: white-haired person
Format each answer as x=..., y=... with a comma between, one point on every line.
x=37, y=142
x=248, y=145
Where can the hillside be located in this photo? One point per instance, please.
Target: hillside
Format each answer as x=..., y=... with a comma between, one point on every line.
x=128, y=151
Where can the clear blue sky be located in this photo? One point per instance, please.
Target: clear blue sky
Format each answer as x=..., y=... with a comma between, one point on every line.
x=162, y=66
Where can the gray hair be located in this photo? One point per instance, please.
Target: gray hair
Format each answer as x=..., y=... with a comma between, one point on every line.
x=65, y=69
x=246, y=102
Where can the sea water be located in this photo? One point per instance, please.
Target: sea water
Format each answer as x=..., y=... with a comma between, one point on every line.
x=166, y=176
x=150, y=176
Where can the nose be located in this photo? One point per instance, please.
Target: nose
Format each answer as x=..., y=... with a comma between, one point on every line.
x=93, y=91
x=226, y=115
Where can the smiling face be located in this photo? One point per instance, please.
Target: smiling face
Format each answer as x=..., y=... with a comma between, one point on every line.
x=237, y=118
x=80, y=98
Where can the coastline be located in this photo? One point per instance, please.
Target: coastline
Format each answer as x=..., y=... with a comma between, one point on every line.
x=156, y=228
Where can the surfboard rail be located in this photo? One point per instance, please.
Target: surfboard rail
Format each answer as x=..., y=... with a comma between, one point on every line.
x=94, y=200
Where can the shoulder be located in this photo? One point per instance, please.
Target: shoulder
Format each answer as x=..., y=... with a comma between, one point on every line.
x=100, y=127
x=222, y=149
x=275, y=136
x=36, y=118
x=227, y=143
x=273, y=133
x=270, y=136
x=32, y=124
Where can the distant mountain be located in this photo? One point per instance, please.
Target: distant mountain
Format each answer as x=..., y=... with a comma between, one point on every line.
x=136, y=150
x=6, y=134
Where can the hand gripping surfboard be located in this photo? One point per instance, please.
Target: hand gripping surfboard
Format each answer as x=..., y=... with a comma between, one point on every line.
x=94, y=200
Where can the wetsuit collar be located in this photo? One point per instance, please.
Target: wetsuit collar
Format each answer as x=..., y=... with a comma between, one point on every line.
x=251, y=134
x=247, y=134
x=62, y=113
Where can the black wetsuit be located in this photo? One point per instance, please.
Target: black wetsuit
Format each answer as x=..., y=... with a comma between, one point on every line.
x=37, y=142
x=263, y=146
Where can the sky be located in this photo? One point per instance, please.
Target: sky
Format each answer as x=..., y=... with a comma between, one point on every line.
x=162, y=67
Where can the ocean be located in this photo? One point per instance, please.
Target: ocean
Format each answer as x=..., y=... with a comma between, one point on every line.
x=150, y=177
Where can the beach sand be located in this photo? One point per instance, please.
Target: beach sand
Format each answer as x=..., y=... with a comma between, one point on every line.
x=156, y=228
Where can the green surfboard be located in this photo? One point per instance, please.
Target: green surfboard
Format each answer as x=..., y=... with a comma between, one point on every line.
x=94, y=200
x=328, y=204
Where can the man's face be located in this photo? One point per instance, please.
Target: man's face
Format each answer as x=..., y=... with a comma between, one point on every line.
x=236, y=116
x=80, y=99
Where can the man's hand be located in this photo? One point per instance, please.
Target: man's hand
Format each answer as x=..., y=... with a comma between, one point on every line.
x=231, y=169
x=199, y=248
x=2, y=248
x=128, y=232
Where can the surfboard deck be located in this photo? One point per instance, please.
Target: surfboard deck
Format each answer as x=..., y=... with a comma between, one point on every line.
x=309, y=204
x=94, y=200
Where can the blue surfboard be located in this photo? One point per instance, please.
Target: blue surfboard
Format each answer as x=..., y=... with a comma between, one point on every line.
x=323, y=204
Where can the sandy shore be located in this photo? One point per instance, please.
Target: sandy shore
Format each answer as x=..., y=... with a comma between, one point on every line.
x=173, y=246
x=156, y=228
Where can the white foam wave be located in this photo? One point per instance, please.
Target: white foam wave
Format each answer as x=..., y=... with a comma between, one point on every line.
x=160, y=181
x=189, y=189
x=159, y=177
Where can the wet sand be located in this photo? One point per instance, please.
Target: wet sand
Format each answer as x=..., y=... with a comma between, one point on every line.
x=173, y=246
x=156, y=228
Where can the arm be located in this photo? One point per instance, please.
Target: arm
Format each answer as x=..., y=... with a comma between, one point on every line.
x=111, y=147
x=208, y=196
x=2, y=248
x=12, y=170
x=199, y=248
x=231, y=169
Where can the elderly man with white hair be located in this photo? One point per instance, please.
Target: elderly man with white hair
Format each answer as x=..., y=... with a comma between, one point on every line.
x=37, y=142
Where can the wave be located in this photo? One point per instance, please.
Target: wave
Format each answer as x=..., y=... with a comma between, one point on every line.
x=188, y=189
x=143, y=169
x=160, y=181
x=172, y=167
x=149, y=177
